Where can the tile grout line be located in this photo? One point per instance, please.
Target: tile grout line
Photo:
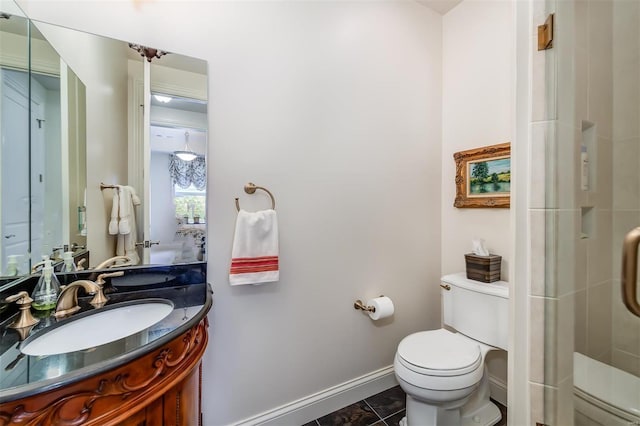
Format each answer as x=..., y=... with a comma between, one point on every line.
x=393, y=414
x=374, y=412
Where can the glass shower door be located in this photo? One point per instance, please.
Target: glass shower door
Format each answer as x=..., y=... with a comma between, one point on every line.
x=592, y=338
x=625, y=344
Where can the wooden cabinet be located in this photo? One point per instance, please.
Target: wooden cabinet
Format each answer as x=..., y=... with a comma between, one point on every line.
x=180, y=405
x=182, y=402
x=161, y=387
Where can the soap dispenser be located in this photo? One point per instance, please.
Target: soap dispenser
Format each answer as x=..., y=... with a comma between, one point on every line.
x=46, y=292
x=12, y=265
x=68, y=268
x=67, y=262
x=39, y=265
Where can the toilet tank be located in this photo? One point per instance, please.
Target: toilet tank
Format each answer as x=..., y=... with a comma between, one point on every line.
x=476, y=309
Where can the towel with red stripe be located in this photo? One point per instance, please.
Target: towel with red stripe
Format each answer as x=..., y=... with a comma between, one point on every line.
x=254, y=257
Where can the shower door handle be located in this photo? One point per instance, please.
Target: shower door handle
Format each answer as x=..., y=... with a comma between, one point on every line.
x=630, y=271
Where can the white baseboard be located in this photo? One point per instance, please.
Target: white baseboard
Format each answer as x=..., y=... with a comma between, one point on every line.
x=327, y=401
x=498, y=390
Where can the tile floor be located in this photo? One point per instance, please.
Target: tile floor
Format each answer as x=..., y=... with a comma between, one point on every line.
x=383, y=409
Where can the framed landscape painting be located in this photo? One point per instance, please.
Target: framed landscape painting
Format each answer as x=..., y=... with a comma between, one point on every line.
x=483, y=176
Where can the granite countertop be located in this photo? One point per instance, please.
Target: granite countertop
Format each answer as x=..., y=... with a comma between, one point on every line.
x=184, y=285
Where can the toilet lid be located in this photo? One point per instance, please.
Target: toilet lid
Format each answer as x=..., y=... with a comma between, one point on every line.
x=440, y=352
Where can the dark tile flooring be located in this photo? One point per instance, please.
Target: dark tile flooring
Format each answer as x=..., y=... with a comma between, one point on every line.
x=383, y=409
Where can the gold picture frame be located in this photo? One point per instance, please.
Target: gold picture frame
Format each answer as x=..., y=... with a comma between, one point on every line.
x=483, y=177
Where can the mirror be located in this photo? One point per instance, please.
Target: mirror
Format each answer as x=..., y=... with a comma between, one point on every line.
x=14, y=124
x=38, y=155
x=178, y=186
x=98, y=137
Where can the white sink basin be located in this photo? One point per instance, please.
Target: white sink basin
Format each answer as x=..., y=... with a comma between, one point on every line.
x=104, y=326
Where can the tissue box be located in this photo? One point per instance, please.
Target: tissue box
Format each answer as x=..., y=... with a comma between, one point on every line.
x=483, y=268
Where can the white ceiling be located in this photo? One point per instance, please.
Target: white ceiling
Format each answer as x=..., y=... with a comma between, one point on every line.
x=440, y=6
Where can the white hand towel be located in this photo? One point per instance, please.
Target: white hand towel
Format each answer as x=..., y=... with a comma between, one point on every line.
x=134, y=197
x=115, y=207
x=128, y=199
x=254, y=257
x=125, y=201
x=127, y=230
x=126, y=246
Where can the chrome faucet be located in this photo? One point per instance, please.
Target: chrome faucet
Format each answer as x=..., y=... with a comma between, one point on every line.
x=111, y=262
x=68, y=298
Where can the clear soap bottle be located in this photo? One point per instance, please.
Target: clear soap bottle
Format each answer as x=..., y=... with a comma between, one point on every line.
x=12, y=265
x=46, y=292
x=68, y=268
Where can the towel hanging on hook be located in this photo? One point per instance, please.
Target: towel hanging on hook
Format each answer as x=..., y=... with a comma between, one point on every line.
x=250, y=188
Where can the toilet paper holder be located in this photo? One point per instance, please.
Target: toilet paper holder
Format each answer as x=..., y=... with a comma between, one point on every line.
x=359, y=305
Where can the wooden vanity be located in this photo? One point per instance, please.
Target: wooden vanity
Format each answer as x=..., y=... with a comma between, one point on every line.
x=151, y=379
x=162, y=387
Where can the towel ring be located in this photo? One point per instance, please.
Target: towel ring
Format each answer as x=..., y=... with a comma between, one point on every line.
x=250, y=188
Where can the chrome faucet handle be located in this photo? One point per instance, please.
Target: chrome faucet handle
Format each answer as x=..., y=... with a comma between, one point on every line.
x=23, y=301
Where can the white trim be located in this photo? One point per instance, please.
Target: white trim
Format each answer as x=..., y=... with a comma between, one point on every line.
x=14, y=62
x=498, y=390
x=326, y=401
x=518, y=396
x=177, y=90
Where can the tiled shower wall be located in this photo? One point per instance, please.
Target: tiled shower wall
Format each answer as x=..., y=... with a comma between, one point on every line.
x=592, y=77
x=585, y=92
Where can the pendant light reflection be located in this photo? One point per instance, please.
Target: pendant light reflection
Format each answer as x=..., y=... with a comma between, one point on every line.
x=162, y=99
x=186, y=154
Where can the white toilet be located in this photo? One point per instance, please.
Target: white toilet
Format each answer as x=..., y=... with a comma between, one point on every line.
x=442, y=372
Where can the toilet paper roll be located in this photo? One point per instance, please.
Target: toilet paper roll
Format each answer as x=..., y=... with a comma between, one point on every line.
x=383, y=305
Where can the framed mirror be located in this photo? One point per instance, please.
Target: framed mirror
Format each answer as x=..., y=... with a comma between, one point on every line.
x=102, y=131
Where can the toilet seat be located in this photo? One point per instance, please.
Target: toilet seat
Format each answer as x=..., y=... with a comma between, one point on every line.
x=439, y=353
x=439, y=360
